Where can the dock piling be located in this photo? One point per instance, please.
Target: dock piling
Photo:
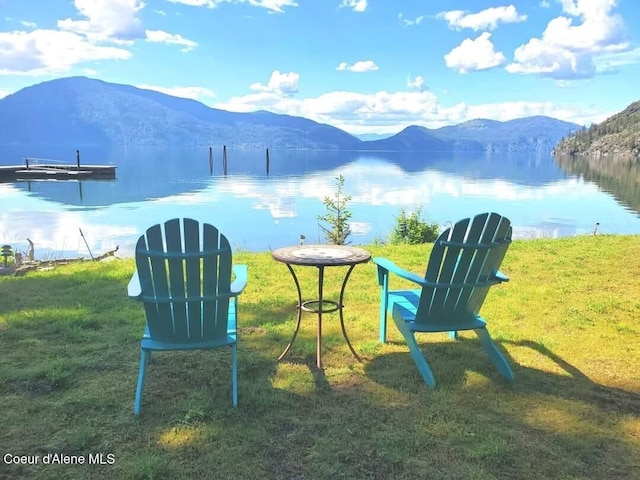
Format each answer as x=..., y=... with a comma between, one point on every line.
x=267, y=161
x=224, y=159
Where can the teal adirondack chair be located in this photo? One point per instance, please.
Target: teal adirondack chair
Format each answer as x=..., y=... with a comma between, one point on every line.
x=183, y=279
x=463, y=265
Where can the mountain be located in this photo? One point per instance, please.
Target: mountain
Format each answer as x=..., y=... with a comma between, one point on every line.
x=532, y=134
x=410, y=139
x=373, y=136
x=618, y=135
x=82, y=111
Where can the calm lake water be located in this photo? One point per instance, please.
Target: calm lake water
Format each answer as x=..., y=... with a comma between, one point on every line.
x=258, y=210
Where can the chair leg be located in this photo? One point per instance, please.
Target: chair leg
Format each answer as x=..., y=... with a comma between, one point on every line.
x=494, y=353
x=384, y=305
x=234, y=375
x=144, y=359
x=414, y=351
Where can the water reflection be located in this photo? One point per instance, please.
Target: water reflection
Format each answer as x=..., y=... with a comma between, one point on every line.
x=259, y=211
x=619, y=176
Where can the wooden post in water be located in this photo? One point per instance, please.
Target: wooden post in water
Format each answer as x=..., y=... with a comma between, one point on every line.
x=224, y=159
x=78, y=158
x=267, y=161
x=26, y=162
x=210, y=161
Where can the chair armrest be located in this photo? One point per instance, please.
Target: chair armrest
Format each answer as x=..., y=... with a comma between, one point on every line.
x=388, y=266
x=501, y=276
x=134, y=290
x=240, y=272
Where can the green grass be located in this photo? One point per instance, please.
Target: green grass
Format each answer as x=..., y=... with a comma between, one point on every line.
x=569, y=320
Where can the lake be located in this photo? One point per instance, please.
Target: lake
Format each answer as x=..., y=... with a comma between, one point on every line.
x=259, y=210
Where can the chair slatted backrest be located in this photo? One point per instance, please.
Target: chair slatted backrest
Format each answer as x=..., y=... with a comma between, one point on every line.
x=462, y=265
x=185, y=277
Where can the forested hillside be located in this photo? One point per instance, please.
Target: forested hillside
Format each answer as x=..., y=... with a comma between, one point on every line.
x=617, y=135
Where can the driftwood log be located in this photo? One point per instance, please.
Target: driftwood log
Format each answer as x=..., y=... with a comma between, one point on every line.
x=30, y=265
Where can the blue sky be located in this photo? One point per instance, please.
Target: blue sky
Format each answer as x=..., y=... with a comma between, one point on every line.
x=366, y=66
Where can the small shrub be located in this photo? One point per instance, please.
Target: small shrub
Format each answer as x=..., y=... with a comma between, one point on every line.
x=337, y=216
x=413, y=229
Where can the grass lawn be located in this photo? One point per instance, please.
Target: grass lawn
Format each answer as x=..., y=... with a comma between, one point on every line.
x=569, y=321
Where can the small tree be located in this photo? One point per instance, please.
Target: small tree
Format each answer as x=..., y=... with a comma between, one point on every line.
x=337, y=216
x=411, y=228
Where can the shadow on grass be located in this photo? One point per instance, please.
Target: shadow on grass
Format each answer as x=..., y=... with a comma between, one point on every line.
x=451, y=360
x=577, y=385
x=584, y=425
x=448, y=360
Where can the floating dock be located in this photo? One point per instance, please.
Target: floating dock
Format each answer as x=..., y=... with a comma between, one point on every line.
x=55, y=171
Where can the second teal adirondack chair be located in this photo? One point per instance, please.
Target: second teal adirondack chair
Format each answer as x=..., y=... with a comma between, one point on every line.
x=183, y=279
x=463, y=265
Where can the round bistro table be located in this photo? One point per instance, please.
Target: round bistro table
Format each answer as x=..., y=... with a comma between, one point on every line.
x=320, y=256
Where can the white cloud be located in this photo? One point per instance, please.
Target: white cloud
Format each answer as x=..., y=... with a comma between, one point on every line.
x=4, y=93
x=161, y=12
x=408, y=22
x=359, y=67
x=390, y=112
x=271, y=5
x=159, y=36
x=356, y=5
x=274, y=5
x=505, y=111
x=107, y=20
x=487, y=19
x=472, y=55
x=42, y=52
x=28, y=24
x=545, y=4
x=415, y=84
x=280, y=84
x=569, y=51
x=194, y=93
x=197, y=3
x=352, y=111
x=611, y=62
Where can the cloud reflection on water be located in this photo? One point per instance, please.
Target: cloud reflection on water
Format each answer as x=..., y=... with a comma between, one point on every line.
x=258, y=212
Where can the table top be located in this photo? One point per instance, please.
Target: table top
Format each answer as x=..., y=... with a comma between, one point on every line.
x=321, y=255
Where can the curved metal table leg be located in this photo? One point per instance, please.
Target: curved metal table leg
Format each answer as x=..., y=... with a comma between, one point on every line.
x=295, y=333
x=337, y=306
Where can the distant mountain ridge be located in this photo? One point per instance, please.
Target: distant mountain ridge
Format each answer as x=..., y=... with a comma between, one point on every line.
x=532, y=134
x=82, y=111
x=537, y=133
x=617, y=135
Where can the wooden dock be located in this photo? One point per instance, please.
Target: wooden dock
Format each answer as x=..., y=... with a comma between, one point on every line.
x=54, y=171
